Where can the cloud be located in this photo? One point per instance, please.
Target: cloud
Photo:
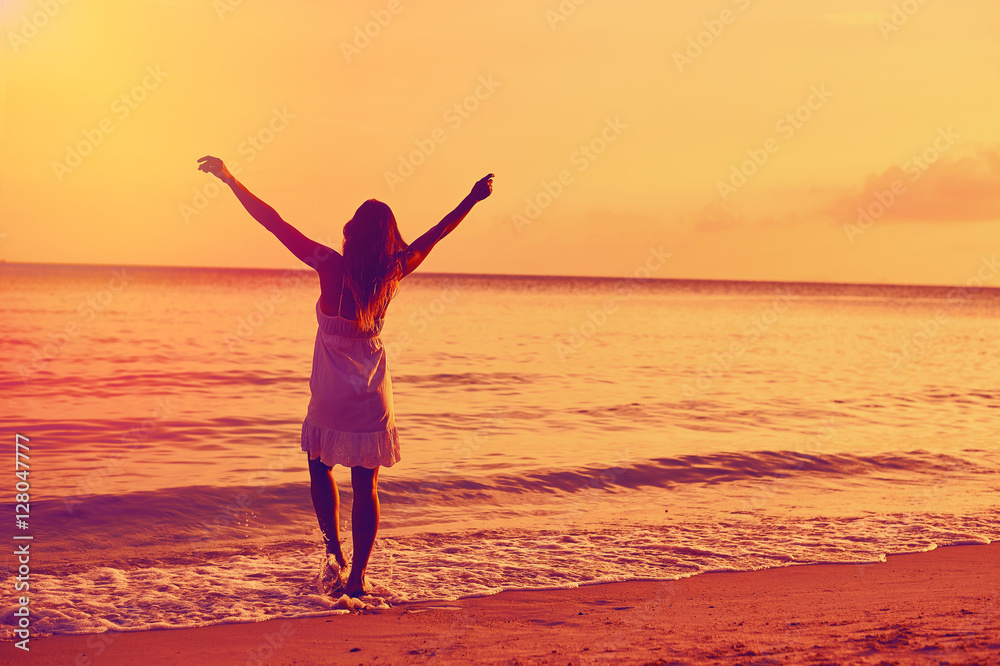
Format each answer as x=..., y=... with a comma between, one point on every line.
x=959, y=189
x=717, y=217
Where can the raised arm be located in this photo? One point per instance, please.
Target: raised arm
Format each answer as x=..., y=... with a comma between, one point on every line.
x=420, y=248
x=307, y=250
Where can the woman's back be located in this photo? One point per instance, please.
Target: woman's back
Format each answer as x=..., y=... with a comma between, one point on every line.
x=336, y=298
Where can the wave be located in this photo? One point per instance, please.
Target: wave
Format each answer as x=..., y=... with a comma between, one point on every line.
x=123, y=383
x=468, y=379
x=208, y=515
x=708, y=469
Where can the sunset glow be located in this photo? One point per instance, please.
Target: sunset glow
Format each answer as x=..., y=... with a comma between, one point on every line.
x=662, y=332
x=848, y=141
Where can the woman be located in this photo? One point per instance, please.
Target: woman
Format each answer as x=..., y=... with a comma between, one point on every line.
x=350, y=418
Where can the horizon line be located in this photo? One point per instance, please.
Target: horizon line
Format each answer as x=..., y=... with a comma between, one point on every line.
x=4, y=262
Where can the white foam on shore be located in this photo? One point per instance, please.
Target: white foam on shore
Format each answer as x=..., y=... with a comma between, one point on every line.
x=432, y=567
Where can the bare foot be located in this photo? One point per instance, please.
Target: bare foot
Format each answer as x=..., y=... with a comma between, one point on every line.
x=331, y=580
x=335, y=588
x=357, y=588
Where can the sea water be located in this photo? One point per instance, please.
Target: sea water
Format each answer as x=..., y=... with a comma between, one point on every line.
x=555, y=432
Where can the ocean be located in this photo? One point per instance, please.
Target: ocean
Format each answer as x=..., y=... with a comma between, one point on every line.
x=555, y=432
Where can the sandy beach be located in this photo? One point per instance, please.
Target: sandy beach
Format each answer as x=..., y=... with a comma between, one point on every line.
x=934, y=607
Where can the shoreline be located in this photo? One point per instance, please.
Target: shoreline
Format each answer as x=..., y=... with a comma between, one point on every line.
x=930, y=607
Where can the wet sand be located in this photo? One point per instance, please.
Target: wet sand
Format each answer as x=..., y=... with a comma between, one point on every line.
x=942, y=606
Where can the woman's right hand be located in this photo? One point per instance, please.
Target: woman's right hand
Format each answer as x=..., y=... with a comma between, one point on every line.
x=482, y=188
x=214, y=166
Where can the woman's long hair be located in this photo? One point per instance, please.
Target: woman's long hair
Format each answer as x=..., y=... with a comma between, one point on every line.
x=372, y=260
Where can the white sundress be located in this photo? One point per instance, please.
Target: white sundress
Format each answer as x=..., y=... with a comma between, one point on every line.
x=350, y=420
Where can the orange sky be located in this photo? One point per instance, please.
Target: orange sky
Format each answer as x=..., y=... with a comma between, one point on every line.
x=828, y=106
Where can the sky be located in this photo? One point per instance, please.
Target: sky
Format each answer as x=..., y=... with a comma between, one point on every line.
x=840, y=140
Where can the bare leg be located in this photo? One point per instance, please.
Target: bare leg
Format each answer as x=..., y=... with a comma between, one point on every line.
x=326, y=502
x=364, y=526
